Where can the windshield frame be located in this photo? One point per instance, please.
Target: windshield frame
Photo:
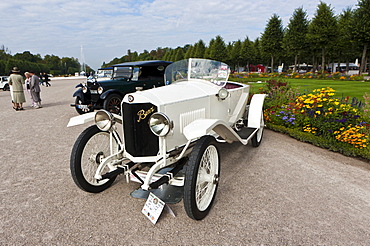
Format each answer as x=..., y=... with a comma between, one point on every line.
x=197, y=69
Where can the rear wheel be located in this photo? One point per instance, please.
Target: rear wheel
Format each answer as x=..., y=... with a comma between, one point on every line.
x=90, y=147
x=257, y=138
x=201, y=178
x=113, y=103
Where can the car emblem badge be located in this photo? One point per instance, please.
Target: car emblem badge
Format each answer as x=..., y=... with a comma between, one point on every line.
x=130, y=98
x=143, y=114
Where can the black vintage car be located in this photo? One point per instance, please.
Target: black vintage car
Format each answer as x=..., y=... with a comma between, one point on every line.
x=126, y=78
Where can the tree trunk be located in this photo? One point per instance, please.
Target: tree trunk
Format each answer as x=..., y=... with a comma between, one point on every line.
x=363, y=60
x=323, y=59
x=295, y=63
x=272, y=63
x=314, y=63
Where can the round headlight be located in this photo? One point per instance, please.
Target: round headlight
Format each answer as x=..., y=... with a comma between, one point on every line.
x=84, y=89
x=223, y=93
x=100, y=90
x=160, y=124
x=104, y=120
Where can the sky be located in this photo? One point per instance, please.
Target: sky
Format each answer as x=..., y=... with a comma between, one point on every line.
x=97, y=31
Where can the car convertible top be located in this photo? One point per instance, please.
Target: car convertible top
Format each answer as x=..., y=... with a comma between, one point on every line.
x=142, y=63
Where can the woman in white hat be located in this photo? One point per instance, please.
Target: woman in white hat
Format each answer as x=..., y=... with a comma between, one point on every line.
x=17, y=82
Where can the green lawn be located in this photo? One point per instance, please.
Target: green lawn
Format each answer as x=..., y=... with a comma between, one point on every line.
x=342, y=88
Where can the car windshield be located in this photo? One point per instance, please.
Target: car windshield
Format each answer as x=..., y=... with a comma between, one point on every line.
x=213, y=71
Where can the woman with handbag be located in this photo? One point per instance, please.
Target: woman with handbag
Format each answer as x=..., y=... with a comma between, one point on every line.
x=17, y=82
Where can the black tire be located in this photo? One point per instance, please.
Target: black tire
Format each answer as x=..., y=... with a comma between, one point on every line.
x=6, y=87
x=113, y=103
x=201, y=172
x=87, y=150
x=80, y=111
x=257, y=138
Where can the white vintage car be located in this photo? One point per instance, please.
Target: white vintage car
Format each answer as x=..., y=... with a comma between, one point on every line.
x=4, y=83
x=171, y=136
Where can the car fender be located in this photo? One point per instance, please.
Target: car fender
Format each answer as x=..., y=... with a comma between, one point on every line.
x=79, y=94
x=81, y=119
x=88, y=117
x=256, y=110
x=109, y=92
x=202, y=127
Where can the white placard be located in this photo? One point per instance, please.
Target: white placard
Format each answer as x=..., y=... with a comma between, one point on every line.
x=153, y=208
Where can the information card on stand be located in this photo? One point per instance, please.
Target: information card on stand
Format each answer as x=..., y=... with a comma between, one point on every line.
x=153, y=208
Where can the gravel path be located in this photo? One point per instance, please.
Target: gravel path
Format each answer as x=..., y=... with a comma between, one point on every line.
x=282, y=193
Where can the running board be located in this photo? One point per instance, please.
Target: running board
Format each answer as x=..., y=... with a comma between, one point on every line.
x=246, y=133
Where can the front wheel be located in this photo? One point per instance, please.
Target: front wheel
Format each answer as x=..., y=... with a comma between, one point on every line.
x=6, y=87
x=82, y=109
x=113, y=103
x=90, y=147
x=201, y=178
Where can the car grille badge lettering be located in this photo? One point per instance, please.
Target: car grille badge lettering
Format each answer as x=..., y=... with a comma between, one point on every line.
x=143, y=114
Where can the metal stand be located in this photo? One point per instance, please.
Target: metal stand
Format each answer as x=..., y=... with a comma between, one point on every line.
x=167, y=193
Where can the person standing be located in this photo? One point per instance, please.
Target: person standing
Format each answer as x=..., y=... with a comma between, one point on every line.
x=17, y=82
x=41, y=79
x=46, y=79
x=35, y=89
x=28, y=87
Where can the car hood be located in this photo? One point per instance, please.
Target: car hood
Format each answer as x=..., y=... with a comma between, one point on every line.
x=181, y=91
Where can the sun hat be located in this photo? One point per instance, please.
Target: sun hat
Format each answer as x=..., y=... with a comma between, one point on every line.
x=15, y=70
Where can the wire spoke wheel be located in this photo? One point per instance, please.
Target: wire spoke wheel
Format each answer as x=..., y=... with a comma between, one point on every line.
x=113, y=103
x=257, y=138
x=201, y=179
x=90, y=148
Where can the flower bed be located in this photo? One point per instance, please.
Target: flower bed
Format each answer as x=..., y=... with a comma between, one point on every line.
x=318, y=117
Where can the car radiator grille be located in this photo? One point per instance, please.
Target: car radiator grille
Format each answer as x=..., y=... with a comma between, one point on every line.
x=139, y=139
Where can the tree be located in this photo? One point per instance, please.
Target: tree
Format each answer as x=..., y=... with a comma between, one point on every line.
x=248, y=53
x=190, y=52
x=217, y=49
x=294, y=41
x=344, y=45
x=53, y=62
x=5, y=53
x=200, y=48
x=27, y=56
x=322, y=31
x=236, y=53
x=179, y=54
x=271, y=40
x=144, y=56
x=361, y=30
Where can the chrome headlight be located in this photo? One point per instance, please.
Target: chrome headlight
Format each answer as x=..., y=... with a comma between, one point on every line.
x=84, y=89
x=104, y=120
x=223, y=94
x=100, y=90
x=160, y=124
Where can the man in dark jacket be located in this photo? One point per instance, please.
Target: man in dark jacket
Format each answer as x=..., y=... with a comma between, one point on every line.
x=46, y=79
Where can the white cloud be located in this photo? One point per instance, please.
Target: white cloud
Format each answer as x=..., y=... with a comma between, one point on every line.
x=108, y=28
